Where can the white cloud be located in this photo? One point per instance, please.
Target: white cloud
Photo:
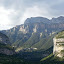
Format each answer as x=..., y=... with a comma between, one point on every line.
x=15, y=12
x=4, y=18
x=34, y=12
x=5, y=27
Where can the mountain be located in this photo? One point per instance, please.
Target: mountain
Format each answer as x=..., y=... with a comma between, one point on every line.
x=58, y=20
x=52, y=60
x=4, y=39
x=36, y=32
x=33, y=40
x=36, y=19
x=32, y=57
x=7, y=53
x=57, y=57
x=5, y=47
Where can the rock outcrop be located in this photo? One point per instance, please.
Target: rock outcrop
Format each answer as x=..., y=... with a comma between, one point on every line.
x=58, y=49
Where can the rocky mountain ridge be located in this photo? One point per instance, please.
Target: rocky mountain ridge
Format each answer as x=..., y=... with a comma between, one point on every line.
x=23, y=35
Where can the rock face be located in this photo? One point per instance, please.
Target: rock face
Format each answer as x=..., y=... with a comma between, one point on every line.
x=20, y=34
x=39, y=24
x=58, y=49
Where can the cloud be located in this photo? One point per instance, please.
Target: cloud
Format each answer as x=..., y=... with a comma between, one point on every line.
x=34, y=12
x=15, y=12
x=4, y=18
x=5, y=27
x=4, y=15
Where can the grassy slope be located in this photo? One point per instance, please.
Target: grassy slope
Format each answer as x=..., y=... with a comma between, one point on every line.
x=6, y=46
x=60, y=34
x=21, y=39
x=44, y=43
x=52, y=60
x=32, y=40
x=35, y=41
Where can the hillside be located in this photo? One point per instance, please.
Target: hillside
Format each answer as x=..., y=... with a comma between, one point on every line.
x=57, y=57
x=4, y=39
x=5, y=47
x=33, y=40
x=60, y=34
x=35, y=55
x=7, y=53
x=5, y=59
x=15, y=59
x=36, y=32
x=52, y=60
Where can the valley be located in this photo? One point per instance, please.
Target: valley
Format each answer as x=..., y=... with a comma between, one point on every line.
x=31, y=41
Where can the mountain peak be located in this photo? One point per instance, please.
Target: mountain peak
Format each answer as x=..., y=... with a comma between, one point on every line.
x=59, y=19
x=36, y=19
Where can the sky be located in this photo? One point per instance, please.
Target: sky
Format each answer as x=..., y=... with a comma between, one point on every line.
x=15, y=12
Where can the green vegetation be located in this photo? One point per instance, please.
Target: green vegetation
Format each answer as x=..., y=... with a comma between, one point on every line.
x=15, y=59
x=35, y=41
x=62, y=51
x=4, y=59
x=32, y=40
x=6, y=46
x=52, y=60
x=44, y=43
x=59, y=42
x=60, y=35
x=42, y=39
x=51, y=55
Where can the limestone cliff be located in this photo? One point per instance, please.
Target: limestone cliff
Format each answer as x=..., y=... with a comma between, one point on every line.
x=58, y=49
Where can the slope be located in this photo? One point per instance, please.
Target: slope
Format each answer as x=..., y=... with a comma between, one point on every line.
x=22, y=35
x=44, y=43
x=52, y=60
